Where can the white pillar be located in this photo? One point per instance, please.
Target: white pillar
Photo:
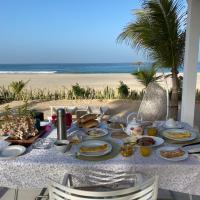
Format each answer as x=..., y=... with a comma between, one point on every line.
x=190, y=62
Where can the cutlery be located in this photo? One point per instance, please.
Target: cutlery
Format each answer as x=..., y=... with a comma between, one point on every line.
x=197, y=152
x=195, y=143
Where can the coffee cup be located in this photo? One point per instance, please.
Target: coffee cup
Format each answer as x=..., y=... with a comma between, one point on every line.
x=61, y=145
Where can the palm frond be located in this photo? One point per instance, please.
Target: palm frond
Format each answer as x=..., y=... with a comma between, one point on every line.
x=147, y=76
x=159, y=31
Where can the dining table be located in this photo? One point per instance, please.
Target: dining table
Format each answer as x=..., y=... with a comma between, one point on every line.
x=36, y=167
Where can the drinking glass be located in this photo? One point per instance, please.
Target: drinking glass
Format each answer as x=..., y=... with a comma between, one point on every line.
x=43, y=143
x=127, y=150
x=68, y=120
x=145, y=150
x=152, y=131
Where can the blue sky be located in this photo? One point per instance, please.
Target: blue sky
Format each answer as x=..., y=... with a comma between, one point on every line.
x=51, y=31
x=65, y=31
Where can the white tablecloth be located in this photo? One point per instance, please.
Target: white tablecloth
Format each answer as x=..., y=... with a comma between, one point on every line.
x=33, y=169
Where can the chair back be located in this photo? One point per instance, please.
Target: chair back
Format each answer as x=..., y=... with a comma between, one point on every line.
x=154, y=105
x=146, y=191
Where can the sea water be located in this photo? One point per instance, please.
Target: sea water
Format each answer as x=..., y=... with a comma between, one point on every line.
x=77, y=68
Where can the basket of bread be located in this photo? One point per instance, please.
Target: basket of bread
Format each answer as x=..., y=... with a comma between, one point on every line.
x=88, y=121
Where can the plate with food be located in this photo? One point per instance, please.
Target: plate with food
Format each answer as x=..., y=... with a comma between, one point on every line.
x=181, y=135
x=96, y=132
x=12, y=152
x=172, y=153
x=94, y=148
x=149, y=141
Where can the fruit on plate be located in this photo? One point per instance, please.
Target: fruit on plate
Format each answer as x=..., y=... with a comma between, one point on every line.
x=173, y=153
x=145, y=141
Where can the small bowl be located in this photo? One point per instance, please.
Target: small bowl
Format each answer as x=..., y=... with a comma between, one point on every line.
x=61, y=145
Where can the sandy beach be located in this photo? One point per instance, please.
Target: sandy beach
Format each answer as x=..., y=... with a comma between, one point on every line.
x=96, y=81
x=58, y=81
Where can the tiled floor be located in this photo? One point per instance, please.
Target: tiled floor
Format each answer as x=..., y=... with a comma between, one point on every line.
x=31, y=194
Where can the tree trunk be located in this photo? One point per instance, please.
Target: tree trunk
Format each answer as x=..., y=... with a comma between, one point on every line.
x=174, y=96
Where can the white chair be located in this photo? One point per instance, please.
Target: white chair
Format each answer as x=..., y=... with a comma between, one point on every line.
x=148, y=190
x=154, y=105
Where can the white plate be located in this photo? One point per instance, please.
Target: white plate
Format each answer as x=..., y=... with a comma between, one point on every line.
x=12, y=152
x=158, y=141
x=170, y=148
x=91, y=143
x=192, y=137
x=102, y=132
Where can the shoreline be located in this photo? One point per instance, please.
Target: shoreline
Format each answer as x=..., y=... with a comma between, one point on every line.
x=96, y=81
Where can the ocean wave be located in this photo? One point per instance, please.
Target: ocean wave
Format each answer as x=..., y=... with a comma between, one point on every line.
x=28, y=72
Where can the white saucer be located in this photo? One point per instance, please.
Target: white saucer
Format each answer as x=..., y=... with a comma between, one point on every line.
x=12, y=152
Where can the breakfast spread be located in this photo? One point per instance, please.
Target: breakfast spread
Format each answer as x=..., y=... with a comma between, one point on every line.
x=89, y=149
x=145, y=141
x=172, y=153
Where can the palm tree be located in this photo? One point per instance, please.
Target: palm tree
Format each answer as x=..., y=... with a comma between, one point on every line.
x=159, y=30
x=146, y=76
x=17, y=87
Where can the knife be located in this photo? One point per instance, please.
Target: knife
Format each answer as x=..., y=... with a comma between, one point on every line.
x=195, y=143
x=197, y=152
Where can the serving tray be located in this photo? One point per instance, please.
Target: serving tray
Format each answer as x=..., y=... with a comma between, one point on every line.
x=27, y=142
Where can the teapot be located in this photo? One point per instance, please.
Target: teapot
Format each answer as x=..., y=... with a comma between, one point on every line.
x=134, y=128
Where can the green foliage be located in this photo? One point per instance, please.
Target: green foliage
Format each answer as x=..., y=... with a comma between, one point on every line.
x=159, y=30
x=78, y=91
x=17, y=87
x=5, y=95
x=123, y=90
x=146, y=76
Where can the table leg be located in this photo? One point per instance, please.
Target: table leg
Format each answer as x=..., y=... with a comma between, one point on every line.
x=190, y=197
x=16, y=194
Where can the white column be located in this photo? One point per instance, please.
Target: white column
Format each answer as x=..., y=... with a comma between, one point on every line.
x=190, y=62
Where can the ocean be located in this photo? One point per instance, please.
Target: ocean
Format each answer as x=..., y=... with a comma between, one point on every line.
x=75, y=68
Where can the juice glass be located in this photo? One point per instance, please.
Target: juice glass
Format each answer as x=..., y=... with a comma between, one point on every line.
x=152, y=131
x=145, y=150
x=127, y=150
